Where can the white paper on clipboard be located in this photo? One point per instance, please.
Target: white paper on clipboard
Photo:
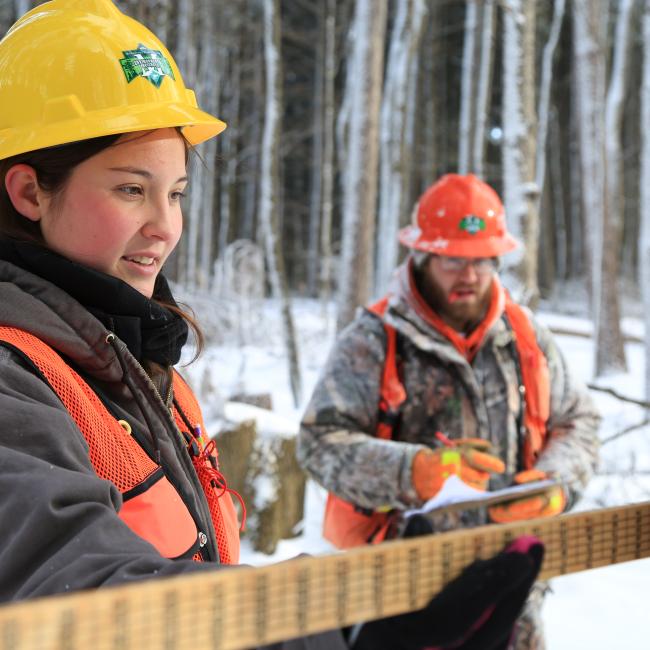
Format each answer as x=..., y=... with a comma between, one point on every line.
x=456, y=495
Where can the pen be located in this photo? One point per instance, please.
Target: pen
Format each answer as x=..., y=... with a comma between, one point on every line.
x=441, y=437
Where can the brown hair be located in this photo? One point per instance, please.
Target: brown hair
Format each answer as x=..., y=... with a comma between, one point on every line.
x=53, y=167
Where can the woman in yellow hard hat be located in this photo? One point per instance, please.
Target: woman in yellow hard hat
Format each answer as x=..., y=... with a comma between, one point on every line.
x=107, y=476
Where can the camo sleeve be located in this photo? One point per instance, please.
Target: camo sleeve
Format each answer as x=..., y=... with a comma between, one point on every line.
x=571, y=453
x=336, y=443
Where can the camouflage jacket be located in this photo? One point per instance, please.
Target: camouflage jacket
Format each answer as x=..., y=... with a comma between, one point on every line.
x=337, y=445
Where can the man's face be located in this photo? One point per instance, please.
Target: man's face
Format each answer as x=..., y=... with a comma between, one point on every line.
x=459, y=287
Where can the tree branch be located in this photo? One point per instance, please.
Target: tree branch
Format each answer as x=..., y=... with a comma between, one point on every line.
x=619, y=396
x=620, y=434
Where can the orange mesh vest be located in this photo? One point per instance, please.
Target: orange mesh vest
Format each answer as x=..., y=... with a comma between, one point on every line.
x=347, y=525
x=152, y=507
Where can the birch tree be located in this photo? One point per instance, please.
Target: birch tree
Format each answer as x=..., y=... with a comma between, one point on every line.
x=590, y=52
x=316, y=198
x=328, y=163
x=644, y=239
x=254, y=121
x=363, y=90
x=484, y=86
x=545, y=96
x=185, y=55
x=21, y=7
x=397, y=110
x=476, y=76
x=201, y=209
x=230, y=137
x=519, y=127
x=159, y=12
x=6, y=17
x=468, y=87
x=271, y=183
x=614, y=358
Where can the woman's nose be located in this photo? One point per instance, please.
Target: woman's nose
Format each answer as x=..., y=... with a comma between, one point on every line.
x=161, y=220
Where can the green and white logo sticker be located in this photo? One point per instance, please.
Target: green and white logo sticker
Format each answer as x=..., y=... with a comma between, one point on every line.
x=472, y=224
x=143, y=62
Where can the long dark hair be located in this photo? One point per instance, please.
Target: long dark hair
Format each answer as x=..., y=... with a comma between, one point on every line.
x=53, y=167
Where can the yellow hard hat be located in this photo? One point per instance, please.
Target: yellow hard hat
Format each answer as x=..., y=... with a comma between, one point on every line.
x=77, y=69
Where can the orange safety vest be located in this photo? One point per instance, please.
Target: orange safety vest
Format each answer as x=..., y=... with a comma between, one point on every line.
x=152, y=508
x=347, y=525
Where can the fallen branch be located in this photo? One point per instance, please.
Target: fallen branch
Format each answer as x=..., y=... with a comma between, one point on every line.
x=620, y=396
x=562, y=331
x=620, y=434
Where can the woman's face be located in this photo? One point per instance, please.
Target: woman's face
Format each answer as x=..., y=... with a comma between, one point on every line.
x=120, y=211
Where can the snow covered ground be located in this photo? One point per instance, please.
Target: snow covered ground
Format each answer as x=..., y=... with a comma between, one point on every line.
x=599, y=609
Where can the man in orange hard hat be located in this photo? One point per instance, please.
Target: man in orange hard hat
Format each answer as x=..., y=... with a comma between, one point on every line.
x=446, y=375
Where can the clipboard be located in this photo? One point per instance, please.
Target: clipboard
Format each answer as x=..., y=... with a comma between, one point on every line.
x=456, y=495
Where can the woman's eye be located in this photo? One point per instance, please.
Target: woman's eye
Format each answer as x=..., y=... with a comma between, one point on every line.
x=131, y=190
x=177, y=196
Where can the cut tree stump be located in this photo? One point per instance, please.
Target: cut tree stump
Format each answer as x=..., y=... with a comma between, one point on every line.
x=263, y=468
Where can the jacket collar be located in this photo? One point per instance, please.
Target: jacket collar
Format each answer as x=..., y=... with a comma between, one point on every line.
x=149, y=330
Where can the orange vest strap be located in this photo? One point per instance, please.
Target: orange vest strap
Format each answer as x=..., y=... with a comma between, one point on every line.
x=206, y=464
x=344, y=524
x=392, y=392
x=535, y=376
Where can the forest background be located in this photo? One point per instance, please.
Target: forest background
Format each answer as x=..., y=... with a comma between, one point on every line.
x=340, y=113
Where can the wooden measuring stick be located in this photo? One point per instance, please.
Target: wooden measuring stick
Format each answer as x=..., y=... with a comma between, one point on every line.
x=237, y=608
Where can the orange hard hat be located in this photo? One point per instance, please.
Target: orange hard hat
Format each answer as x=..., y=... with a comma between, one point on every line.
x=459, y=216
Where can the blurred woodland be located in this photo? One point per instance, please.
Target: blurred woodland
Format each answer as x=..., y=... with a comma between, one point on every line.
x=341, y=112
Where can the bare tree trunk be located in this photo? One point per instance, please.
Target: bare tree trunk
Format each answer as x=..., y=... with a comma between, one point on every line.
x=185, y=56
x=159, y=12
x=360, y=182
x=612, y=355
x=519, y=127
x=251, y=199
x=210, y=74
x=475, y=85
x=557, y=182
x=590, y=52
x=579, y=260
x=644, y=239
x=316, y=193
x=229, y=140
x=329, y=111
x=468, y=88
x=545, y=96
x=7, y=17
x=271, y=184
x=432, y=59
x=394, y=164
x=484, y=86
x=22, y=7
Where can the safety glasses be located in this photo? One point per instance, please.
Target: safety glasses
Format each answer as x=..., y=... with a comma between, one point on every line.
x=482, y=265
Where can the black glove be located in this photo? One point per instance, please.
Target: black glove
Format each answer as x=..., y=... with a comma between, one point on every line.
x=476, y=611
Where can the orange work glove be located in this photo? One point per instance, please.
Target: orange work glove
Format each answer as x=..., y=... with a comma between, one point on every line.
x=476, y=462
x=432, y=467
x=546, y=504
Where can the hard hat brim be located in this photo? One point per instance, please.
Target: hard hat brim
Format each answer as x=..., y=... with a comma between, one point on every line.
x=197, y=126
x=412, y=237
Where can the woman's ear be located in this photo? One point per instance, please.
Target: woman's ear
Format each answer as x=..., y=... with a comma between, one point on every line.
x=22, y=187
